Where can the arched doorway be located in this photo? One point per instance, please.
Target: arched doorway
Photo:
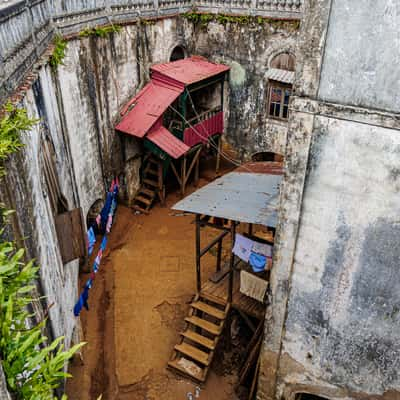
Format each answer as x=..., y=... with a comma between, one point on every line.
x=267, y=156
x=178, y=53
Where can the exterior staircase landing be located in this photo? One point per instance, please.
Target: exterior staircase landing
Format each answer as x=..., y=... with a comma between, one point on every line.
x=193, y=355
x=151, y=187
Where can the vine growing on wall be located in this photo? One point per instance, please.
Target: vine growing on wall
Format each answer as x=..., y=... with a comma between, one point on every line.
x=203, y=19
x=33, y=368
x=100, y=31
x=57, y=58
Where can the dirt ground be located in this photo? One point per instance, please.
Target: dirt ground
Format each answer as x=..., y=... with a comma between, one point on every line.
x=137, y=308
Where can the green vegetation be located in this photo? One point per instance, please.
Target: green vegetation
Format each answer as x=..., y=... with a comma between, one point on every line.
x=14, y=121
x=203, y=19
x=100, y=31
x=33, y=367
x=56, y=59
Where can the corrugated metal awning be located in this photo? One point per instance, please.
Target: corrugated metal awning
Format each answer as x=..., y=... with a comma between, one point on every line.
x=148, y=106
x=281, y=75
x=166, y=141
x=241, y=195
x=188, y=70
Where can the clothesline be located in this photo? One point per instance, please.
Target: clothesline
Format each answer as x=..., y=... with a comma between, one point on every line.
x=102, y=225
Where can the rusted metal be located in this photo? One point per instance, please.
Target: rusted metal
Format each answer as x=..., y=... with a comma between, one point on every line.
x=187, y=71
x=242, y=195
x=166, y=141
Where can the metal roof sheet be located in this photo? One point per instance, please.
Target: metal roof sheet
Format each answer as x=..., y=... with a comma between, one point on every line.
x=281, y=75
x=148, y=106
x=164, y=139
x=189, y=70
x=239, y=196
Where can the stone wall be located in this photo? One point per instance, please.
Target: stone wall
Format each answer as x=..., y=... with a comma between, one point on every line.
x=247, y=49
x=332, y=327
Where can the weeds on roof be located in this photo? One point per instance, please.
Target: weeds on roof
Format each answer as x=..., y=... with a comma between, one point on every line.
x=60, y=45
x=100, y=31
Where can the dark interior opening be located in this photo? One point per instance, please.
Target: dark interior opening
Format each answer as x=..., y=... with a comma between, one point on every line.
x=308, y=396
x=267, y=156
x=178, y=53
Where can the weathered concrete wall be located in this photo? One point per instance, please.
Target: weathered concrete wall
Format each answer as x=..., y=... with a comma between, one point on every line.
x=362, y=55
x=332, y=327
x=78, y=105
x=248, y=49
x=343, y=325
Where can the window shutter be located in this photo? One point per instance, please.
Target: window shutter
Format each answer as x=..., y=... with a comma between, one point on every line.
x=71, y=235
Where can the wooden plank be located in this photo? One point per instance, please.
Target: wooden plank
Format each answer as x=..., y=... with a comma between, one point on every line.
x=203, y=324
x=174, y=365
x=151, y=182
x=70, y=233
x=200, y=339
x=193, y=352
x=140, y=209
x=210, y=310
x=147, y=192
x=143, y=200
x=212, y=298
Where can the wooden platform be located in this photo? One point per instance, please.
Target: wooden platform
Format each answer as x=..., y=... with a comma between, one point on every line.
x=240, y=301
x=193, y=355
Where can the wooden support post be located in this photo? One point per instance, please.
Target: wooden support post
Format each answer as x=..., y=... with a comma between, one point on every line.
x=217, y=164
x=196, y=172
x=198, y=257
x=250, y=229
x=231, y=262
x=219, y=255
x=183, y=175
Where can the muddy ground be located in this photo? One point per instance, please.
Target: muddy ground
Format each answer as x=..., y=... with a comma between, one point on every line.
x=137, y=308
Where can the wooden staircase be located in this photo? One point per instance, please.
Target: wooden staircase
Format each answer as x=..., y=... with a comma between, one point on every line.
x=151, y=187
x=192, y=357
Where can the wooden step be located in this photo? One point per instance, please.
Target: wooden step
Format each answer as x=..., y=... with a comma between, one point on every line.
x=138, y=208
x=150, y=182
x=175, y=365
x=206, y=325
x=210, y=310
x=144, y=200
x=213, y=299
x=147, y=192
x=151, y=171
x=195, y=337
x=193, y=352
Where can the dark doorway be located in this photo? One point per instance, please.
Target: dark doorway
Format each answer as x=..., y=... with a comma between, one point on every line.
x=308, y=396
x=178, y=53
x=267, y=156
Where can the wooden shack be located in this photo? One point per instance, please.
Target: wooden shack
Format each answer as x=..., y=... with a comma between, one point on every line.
x=177, y=114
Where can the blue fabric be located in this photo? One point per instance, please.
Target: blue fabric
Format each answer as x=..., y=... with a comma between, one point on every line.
x=106, y=210
x=103, y=243
x=91, y=240
x=257, y=261
x=82, y=302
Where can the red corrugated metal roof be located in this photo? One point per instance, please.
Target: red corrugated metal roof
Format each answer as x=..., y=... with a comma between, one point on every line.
x=148, y=106
x=164, y=139
x=189, y=70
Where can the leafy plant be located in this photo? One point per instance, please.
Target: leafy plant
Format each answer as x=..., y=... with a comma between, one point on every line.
x=14, y=121
x=56, y=59
x=102, y=31
x=33, y=368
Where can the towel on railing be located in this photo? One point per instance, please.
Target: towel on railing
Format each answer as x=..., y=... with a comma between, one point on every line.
x=252, y=286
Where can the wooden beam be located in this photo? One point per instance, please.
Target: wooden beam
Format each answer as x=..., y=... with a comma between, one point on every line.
x=183, y=175
x=198, y=257
x=218, y=162
x=195, y=158
x=176, y=173
x=219, y=255
x=213, y=243
x=247, y=320
x=231, y=262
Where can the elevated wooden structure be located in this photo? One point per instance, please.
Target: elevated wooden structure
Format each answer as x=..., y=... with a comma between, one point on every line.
x=178, y=115
x=247, y=195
